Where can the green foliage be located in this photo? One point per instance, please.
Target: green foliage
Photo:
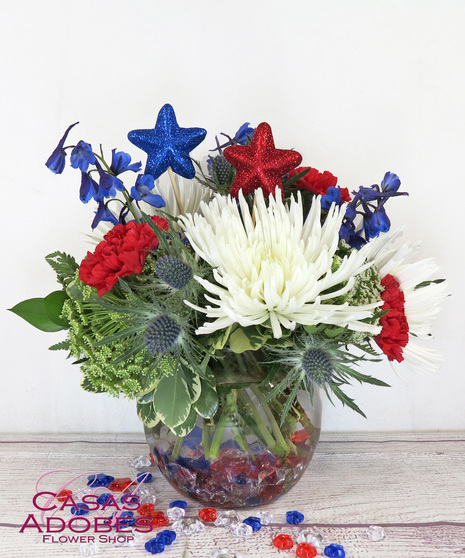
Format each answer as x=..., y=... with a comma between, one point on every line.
x=64, y=265
x=43, y=313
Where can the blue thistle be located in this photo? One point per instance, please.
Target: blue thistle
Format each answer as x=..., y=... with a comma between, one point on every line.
x=174, y=272
x=162, y=335
x=317, y=366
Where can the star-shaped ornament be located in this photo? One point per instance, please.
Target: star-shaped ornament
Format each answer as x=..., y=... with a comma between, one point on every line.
x=168, y=145
x=260, y=164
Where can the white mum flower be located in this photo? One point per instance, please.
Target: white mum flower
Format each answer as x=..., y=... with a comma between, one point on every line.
x=191, y=192
x=273, y=267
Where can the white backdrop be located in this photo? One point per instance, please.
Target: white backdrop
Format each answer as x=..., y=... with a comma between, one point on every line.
x=358, y=87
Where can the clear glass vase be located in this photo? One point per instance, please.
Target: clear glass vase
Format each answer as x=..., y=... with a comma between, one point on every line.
x=243, y=456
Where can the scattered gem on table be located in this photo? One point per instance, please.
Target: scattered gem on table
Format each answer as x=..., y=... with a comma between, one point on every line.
x=283, y=542
x=147, y=510
x=227, y=518
x=89, y=549
x=178, y=504
x=144, y=477
x=335, y=551
x=226, y=553
x=103, y=498
x=120, y=484
x=313, y=536
x=265, y=518
x=294, y=517
x=147, y=494
x=375, y=533
x=208, y=515
x=167, y=536
x=241, y=530
x=159, y=519
x=188, y=526
x=80, y=509
x=254, y=522
x=174, y=514
x=61, y=496
x=130, y=498
x=141, y=461
x=155, y=546
x=99, y=480
x=306, y=550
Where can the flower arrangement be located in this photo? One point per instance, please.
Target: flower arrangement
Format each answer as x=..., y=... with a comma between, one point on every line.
x=246, y=257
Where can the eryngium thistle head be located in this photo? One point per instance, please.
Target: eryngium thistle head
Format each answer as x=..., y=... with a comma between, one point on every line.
x=173, y=271
x=162, y=335
x=317, y=366
x=220, y=169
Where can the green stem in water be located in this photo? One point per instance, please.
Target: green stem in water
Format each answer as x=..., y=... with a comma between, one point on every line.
x=177, y=447
x=264, y=433
x=206, y=439
x=216, y=442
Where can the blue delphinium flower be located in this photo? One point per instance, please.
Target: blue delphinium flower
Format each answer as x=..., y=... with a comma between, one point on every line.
x=244, y=133
x=89, y=188
x=56, y=161
x=103, y=214
x=391, y=183
x=108, y=184
x=333, y=195
x=142, y=191
x=375, y=222
x=82, y=156
x=120, y=162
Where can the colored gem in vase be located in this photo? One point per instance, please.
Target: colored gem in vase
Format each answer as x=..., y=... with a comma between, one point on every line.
x=167, y=536
x=99, y=480
x=178, y=504
x=61, y=496
x=174, y=514
x=306, y=550
x=283, y=542
x=167, y=145
x=207, y=514
x=155, y=546
x=335, y=551
x=144, y=477
x=300, y=436
x=120, y=484
x=294, y=517
x=375, y=533
x=260, y=164
x=254, y=522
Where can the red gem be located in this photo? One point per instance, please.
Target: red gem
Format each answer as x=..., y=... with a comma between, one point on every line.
x=61, y=496
x=260, y=164
x=207, y=514
x=147, y=510
x=159, y=519
x=271, y=491
x=300, y=437
x=283, y=542
x=306, y=550
x=151, y=458
x=120, y=484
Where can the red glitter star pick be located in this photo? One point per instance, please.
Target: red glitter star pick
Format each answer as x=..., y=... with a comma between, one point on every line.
x=260, y=164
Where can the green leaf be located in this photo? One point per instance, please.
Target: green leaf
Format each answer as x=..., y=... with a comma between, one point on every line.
x=146, y=398
x=296, y=178
x=187, y=426
x=147, y=415
x=426, y=283
x=172, y=399
x=148, y=384
x=64, y=265
x=246, y=339
x=345, y=399
x=207, y=404
x=87, y=385
x=54, y=307
x=193, y=381
x=62, y=346
x=334, y=332
x=221, y=338
x=34, y=311
x=364, y=378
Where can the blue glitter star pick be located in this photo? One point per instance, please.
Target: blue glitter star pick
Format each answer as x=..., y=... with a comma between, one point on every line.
x=168, y=145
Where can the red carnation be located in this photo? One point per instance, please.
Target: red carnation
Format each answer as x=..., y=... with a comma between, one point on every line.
x=122, y=252
x=314, y=181
x=394, y=334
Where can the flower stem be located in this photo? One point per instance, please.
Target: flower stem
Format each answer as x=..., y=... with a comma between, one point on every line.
x=176, y=191
x=177, y=447
x=216, y=442
x=206, y=440
x=265, y=434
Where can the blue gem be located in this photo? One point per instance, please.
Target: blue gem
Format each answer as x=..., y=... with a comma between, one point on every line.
x=168, y=145
x=129, y=498
x=103, y=498
x=178, y=504
x=294, y=517
x=166, y=536
x=335, y=551
x=254, y=522
x=144, y=477
x=80, y=509
x=99, y=480
x=155, y=546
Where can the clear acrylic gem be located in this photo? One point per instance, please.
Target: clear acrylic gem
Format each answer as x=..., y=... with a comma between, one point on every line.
x=226, y=553
x=313, y=536
x=175, y=513
x=84, y=492
x=141, y=461
x=241, y=530
x=147, y=494
x=264, y=517
x=188, y=526
x=375, y=533
x=227, y=518
x=89, y=549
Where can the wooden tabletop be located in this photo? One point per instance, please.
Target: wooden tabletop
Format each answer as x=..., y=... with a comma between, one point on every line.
x=411, y=484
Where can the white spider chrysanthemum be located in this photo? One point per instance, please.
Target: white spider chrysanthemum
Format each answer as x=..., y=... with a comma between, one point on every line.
x=192, y=194
x=422, y=304
x=273, y=267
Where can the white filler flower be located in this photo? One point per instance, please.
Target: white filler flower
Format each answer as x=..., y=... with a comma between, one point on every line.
x=272, y=267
